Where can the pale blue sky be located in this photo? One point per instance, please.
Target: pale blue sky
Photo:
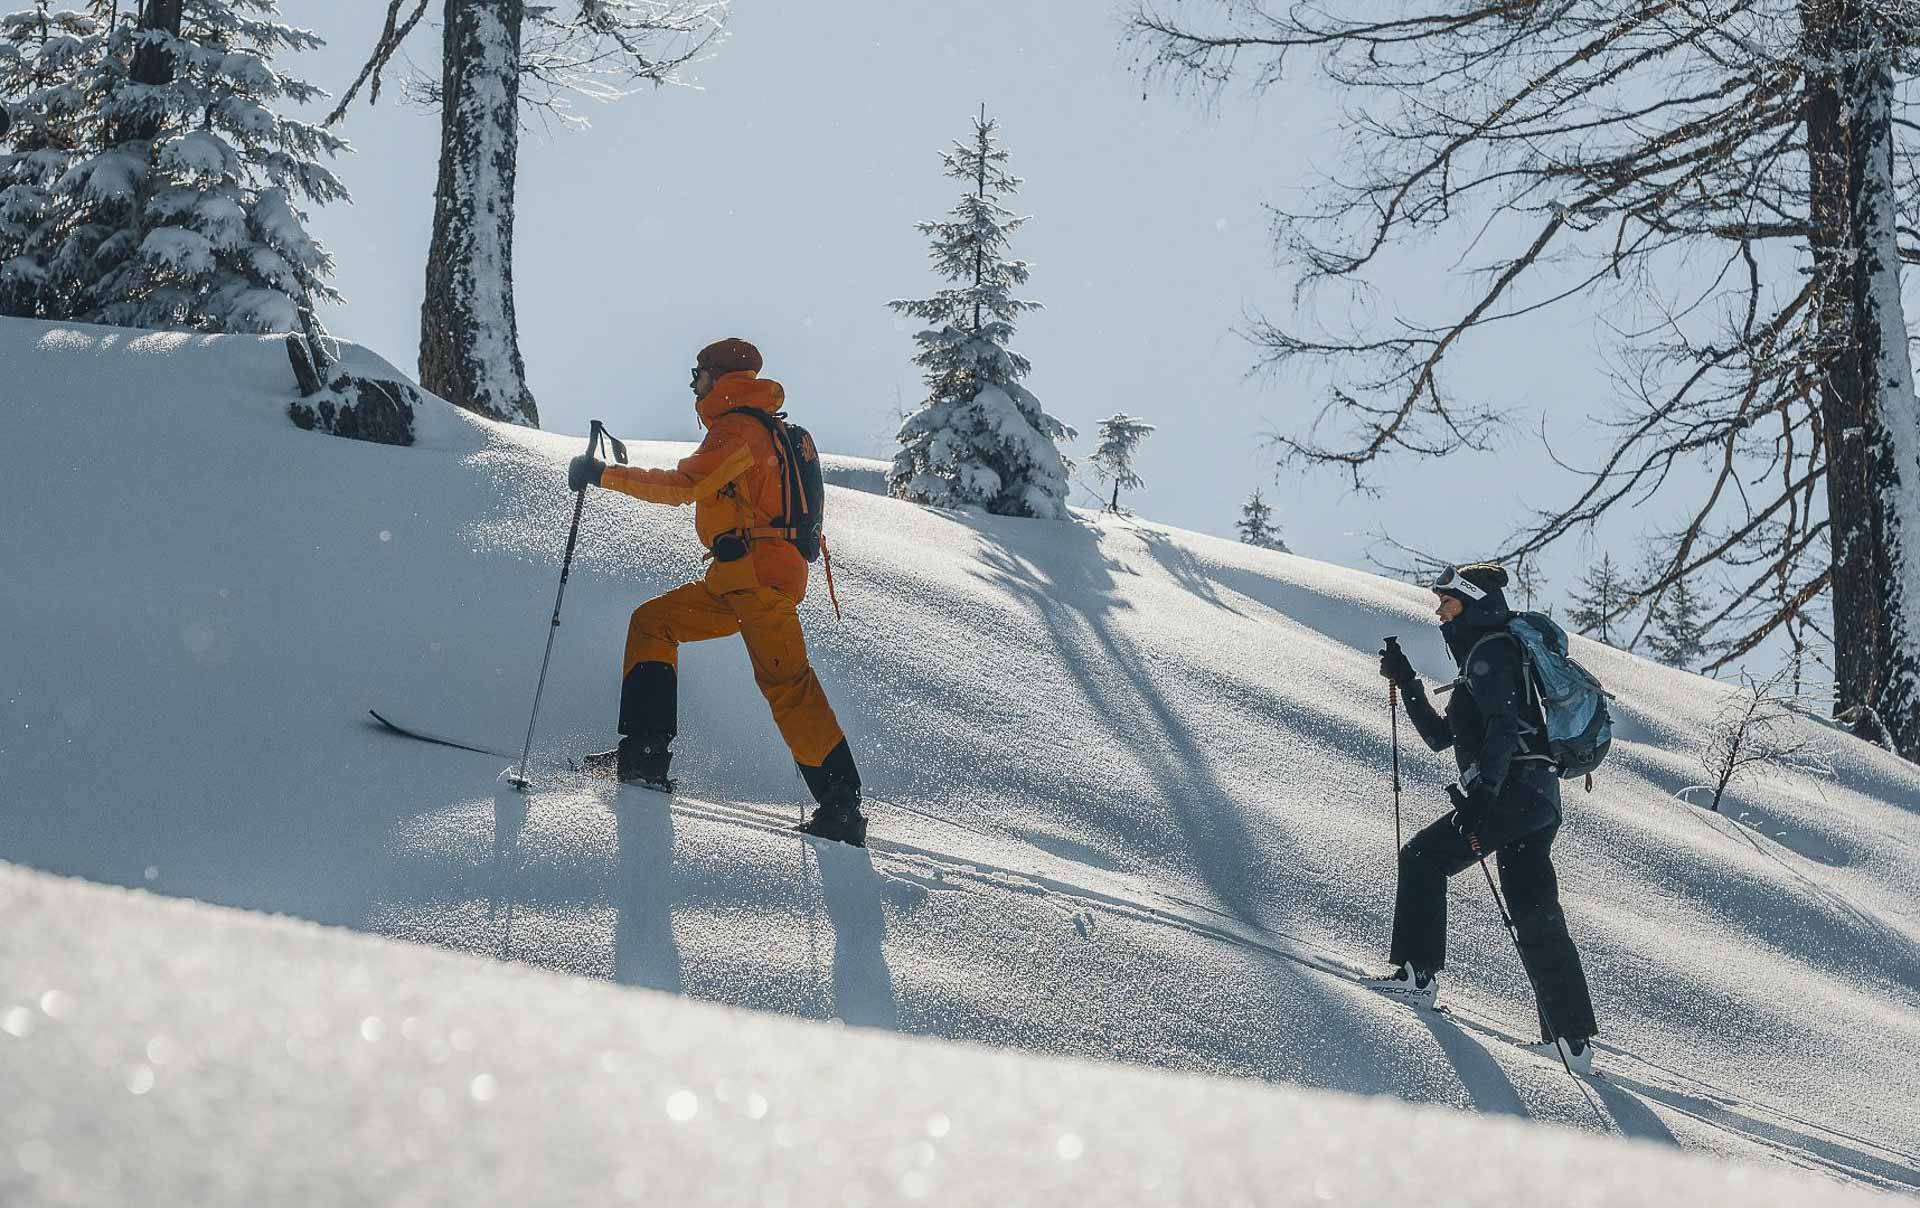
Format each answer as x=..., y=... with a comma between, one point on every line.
x=776, y=201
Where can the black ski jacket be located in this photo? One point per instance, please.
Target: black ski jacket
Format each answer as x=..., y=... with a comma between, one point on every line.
x=1490, y=722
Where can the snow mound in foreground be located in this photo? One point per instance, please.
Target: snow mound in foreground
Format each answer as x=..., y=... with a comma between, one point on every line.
x=195, y=1055
x=1130, y=789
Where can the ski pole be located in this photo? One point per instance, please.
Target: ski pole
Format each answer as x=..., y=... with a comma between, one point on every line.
x=594, y=436
x=1393, y=723
x=1513, y=933
x=1539, y=1002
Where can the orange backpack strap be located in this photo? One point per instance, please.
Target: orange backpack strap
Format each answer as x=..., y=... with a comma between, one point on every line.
x=826, y=555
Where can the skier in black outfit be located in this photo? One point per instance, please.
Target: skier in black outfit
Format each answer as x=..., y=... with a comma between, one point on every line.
x=1507, y=805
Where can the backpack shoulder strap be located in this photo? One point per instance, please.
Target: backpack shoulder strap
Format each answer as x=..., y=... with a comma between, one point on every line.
x=774, y=427
x=1528, y=686
x=790, y=489
x=1494, y=637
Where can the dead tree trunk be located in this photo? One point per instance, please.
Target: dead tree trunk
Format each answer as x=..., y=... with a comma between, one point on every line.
x=469, y=340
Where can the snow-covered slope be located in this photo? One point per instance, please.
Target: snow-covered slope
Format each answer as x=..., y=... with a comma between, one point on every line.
x=1161, y=758
x=180, y=1054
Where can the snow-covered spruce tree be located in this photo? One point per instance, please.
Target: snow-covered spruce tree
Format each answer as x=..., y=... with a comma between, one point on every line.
x=180, y=207
x=981, y=439
x=1678, y=635
x=43, y=50
x=1600, y=599
x=1256, y=526
x=489, y=51
x=1120, y=436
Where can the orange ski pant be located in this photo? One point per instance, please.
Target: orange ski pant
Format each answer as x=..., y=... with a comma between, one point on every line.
x=769, y=622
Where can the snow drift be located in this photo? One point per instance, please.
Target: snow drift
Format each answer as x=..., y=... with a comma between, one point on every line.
x=175, y=1053
x=1159, y=758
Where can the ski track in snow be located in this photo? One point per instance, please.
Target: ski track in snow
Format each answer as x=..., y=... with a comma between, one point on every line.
x=1162, y=753
x=902, y=874
x=1623, y=1080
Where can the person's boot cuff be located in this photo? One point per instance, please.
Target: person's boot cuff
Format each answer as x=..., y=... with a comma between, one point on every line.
x=836, y=781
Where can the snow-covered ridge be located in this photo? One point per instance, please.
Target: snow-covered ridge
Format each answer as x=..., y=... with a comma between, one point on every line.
x=1162, y=758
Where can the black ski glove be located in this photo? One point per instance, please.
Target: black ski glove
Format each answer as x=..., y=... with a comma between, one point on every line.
x=1470, y=812
x=1394, y=666
x=583, y=472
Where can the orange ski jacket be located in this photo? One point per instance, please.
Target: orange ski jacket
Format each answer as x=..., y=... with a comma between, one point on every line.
x=734, y=482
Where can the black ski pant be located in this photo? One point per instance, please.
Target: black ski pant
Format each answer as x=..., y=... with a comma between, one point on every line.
x=1533, y=898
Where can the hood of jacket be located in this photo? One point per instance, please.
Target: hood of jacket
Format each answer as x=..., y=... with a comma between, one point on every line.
x=740, y=389
x=1478, y=619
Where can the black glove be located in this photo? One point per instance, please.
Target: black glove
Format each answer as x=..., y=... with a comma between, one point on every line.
x=1470, y=812
x=1394, y=665
x=583, y=472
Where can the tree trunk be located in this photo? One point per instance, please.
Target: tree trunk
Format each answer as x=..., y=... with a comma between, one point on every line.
x=1856, y=615
x=1866, y=384
x=153, y=65
x=469, y=341
x=1892, y=435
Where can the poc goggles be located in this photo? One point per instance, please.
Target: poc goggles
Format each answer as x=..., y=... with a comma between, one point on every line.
x=1451, y=580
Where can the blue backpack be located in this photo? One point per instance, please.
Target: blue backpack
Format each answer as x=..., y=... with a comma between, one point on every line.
x=1573, y=704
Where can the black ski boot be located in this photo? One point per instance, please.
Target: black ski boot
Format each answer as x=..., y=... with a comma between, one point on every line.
x=640, y=760
x=841, y=822
x=835, y=784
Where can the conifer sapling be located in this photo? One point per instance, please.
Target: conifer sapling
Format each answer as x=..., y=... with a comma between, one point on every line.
x=1599, y=599
x=1679, y=632
x=1120, y=437
x=1256, y=526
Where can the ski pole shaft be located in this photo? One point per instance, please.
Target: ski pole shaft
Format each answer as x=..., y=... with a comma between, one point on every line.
x=1500, y=904
x=1393, y=724
x=1539, y=1003
x=566, y=568
x=1393, y=714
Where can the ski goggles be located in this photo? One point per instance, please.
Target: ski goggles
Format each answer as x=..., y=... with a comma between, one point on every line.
x=1451, y=580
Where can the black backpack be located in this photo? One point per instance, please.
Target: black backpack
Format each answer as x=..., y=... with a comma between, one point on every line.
x=802, y=482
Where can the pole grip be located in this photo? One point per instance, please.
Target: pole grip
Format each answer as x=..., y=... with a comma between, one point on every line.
x=597, y=433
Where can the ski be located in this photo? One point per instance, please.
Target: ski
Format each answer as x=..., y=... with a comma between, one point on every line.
x=666, y=788
x=436, y=740
x=896, y=805
x=738, y=813
x=1526, y=1046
